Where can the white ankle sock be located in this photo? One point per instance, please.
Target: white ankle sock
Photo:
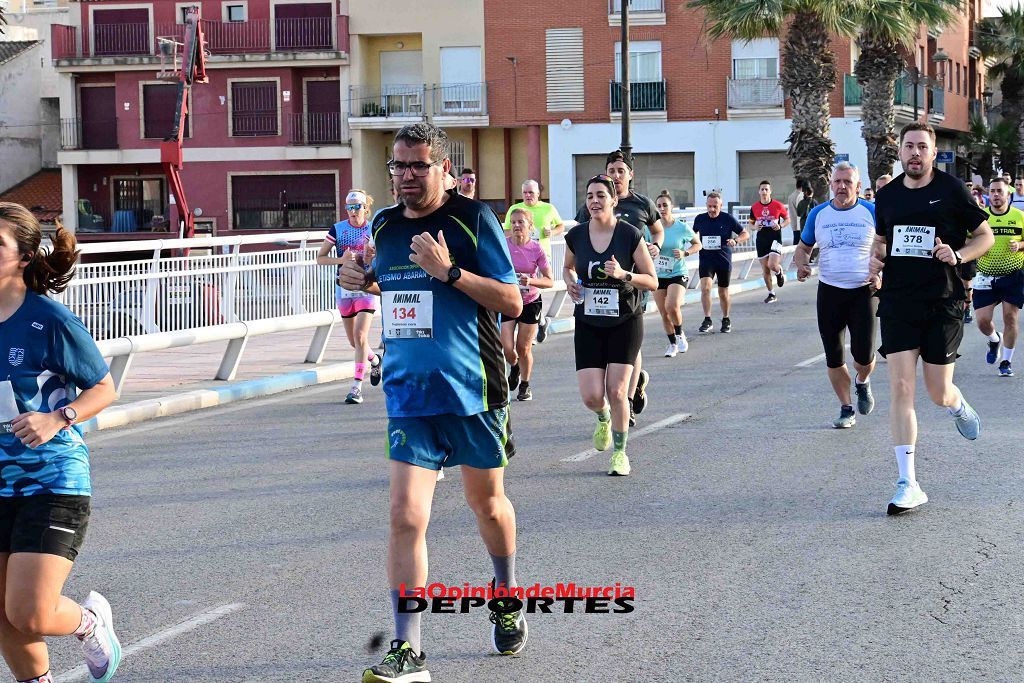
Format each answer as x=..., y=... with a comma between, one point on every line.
x=1007, y=354
x=905, y=461
x=994, y=337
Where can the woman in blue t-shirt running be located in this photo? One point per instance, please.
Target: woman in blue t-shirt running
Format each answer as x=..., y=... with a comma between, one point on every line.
x=55, y=378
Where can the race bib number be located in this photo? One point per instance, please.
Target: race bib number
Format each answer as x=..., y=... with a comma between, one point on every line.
x=664, y=264
x=8, y=406
x=343, y=293
x=408, y=315
x=982, y=281
x=712, y=242
x=601, y=302
x=913, y=240
x=777, y=247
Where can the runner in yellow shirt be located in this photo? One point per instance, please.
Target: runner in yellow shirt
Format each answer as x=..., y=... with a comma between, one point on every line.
x=1000, y=277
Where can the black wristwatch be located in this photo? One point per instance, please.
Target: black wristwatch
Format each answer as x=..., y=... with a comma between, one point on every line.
x=454, y=273
x=629, y=276
x=959, y=258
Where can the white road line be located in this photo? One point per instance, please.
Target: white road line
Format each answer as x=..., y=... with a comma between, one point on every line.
x=811, y=361
x=81, y=673
x=661, y=424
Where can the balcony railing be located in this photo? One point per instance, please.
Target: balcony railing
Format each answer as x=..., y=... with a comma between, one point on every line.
x=454, y=99
x=937, y=101
x=315, y=129
x=387, y=100
x=615, y=6
x=974, y=109
x=79, y=134
x=222, y=38
x=121, y=39
x=643, y=96
x=755, y=93
x=851, y=91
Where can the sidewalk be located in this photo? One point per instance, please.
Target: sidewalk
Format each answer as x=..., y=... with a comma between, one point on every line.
x=162, y=383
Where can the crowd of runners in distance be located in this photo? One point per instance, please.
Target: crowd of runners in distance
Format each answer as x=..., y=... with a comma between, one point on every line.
x=910, y=260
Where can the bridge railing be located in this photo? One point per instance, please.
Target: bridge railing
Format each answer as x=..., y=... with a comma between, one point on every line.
x=172, y=293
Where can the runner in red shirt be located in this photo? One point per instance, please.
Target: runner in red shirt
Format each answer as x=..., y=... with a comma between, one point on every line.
x=769, y=216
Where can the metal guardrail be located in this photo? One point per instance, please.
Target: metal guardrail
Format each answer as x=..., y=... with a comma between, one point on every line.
x=218, y=288
x=220, y=292
x=615, y=6
x=643, y=95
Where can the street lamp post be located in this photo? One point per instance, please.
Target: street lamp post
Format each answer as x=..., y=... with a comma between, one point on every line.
x=624, y=89
x=940, y=58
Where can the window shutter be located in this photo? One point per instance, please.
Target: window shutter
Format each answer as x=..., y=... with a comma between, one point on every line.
x=565, y=69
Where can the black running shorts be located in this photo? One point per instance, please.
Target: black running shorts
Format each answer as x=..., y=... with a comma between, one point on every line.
x=935, y=327
x=48, y=523
x=768, y=241
x=840, y=310
x=598, y=347
x=721, y=271
x=664, y=282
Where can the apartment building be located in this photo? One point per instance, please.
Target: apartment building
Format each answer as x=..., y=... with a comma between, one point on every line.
x=267, y=144
x=705, y=115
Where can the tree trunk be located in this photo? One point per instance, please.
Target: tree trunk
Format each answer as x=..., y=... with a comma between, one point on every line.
x=1012, y=111
x=879, y=67
x=808, y=77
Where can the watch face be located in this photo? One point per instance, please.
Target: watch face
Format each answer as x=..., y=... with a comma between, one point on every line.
x=69, y=413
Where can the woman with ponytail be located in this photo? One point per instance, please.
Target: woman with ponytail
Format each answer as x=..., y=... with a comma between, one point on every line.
x=53, y=379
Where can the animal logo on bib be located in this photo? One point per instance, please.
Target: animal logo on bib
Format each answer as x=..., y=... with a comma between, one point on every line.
x=15, y=356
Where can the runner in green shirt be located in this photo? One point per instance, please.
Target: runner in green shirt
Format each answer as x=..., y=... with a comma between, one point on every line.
x=546, y=220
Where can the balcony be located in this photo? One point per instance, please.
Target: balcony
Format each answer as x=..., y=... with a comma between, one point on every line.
x=263, y=37
x=318, y=129
x=641, y=12
x=756, y=98
x=79, y=134
x=903, y=97
x=646, y=96
x=936, y=104
x=975, y=109
x=388, y=106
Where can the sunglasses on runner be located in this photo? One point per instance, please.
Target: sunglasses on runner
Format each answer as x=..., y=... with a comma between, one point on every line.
x=353, y=207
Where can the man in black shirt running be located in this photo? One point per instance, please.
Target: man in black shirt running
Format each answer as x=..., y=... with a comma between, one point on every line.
x=926, y=225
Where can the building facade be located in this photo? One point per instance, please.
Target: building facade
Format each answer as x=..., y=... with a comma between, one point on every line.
x=266, y=142
x=705, y=115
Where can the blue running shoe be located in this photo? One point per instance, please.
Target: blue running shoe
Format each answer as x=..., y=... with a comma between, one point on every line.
x=993, y=350
x=1005, y=369
x=968, y=423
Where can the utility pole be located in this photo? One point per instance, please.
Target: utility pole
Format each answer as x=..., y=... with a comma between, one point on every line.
x=625, y=146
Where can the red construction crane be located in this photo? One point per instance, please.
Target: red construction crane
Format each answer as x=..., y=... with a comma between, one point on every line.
x=193, y=70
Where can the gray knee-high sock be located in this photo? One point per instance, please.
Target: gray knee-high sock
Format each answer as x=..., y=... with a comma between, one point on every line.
x=407, y=624
x=504, y=570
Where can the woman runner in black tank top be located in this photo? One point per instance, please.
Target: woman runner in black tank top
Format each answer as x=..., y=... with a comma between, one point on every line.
x=606, y=263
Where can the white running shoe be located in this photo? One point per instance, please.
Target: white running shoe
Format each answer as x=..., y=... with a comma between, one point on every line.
x=682, y=344
x=671, y=350
x=908, y=496
x=102, y=649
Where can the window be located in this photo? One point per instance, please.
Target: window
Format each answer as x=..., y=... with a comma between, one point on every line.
x=755, y=59
x=234, y=13
x=275, y=202
x=957, y=79
x=757, y=166
x=564, y=69
x=253, y=108
x=139, y=204
x=461, y=89
x=644, y=61
x=654, y=172
x=457, y=153
x=159, y=104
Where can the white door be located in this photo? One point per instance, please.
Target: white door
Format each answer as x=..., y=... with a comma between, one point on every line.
x=401, y=82
x=461, y=79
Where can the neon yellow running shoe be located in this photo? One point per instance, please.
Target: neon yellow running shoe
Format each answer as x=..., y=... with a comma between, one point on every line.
x=603, y=435
x=619, y=464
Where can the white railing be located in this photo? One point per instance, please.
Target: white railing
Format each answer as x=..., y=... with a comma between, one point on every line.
x=161, y=293
x=220, y=292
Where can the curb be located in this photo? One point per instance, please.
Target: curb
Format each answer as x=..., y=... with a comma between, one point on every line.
x=197, y=399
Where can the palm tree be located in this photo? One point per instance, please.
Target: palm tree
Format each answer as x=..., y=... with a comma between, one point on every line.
x=888, y=28
x=983, y=142
x=1002, y=37
x=808, y=71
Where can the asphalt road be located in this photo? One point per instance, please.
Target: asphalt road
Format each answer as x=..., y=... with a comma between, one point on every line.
x=247, y=543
